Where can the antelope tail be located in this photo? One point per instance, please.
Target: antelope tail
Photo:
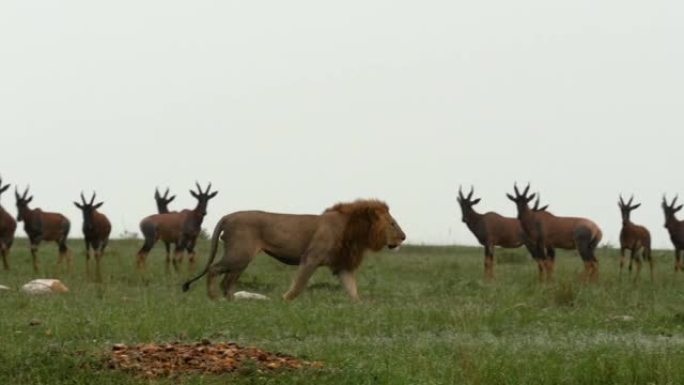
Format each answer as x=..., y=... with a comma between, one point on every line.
x=214, y=247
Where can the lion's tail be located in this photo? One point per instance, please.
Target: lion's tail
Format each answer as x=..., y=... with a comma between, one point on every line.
x=214, y=247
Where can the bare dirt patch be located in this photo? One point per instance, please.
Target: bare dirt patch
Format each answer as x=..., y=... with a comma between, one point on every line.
x=159, y=360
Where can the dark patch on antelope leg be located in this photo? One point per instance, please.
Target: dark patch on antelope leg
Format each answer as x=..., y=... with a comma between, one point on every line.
x=489, y=262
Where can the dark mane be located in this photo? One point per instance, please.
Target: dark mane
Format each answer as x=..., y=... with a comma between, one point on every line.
x=365, y=230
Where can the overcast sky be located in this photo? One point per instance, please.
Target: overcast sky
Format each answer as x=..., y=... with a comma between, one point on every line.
x=292, y=106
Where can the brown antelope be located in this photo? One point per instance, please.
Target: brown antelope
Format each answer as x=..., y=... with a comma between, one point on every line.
x=42, y=226
x=491, y=229
x=546, y=232
x=633, y=238
x=181, y=228
x=96, y=229
x=7, y=227
x=163, y=208
x=675, y=228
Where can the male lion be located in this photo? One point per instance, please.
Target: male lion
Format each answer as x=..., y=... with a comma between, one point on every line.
x=337, y=238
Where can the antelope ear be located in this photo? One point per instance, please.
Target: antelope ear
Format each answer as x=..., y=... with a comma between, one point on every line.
x=78, y=205
x=476, y=201
x=531, y=197
x=636, y=206
x=511, y=197
x=678, y=208
x=2, y=190
x=194, y=194
x=31, y=198
x=97, y=206
x=213, y=194
x=170, y=199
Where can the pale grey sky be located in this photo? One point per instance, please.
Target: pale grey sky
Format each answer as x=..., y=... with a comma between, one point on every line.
x=293, y=106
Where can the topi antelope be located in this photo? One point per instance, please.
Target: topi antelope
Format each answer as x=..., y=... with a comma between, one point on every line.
x=633, y=238
x=546, y=232
x=676, y=229
x=181, y=228
x=491, y=229
x=162, y=208
x=96, y=229
x=42, y=226
x=7, y=227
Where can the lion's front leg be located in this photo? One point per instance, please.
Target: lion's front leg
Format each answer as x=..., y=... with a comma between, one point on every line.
x=301, y=278
x=348, y=280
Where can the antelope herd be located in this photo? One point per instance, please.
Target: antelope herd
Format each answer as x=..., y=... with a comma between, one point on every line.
x=180, y=228
x=540, y=231
x=544, y=232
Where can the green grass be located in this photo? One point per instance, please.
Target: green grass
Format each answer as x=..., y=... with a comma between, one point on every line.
x=426, y=318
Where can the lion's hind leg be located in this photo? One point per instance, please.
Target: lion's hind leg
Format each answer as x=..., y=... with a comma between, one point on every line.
x=214, y=270
x=228, y=284
x=235, y=260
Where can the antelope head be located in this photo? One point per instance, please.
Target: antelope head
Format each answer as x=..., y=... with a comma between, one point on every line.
x=670, y=210
x=523, y=200
x=536, y=204
x=163, y=200
x=3, y=188
x=202, y=198
x=626, y=208
x=22, y=202
x=466, y=203
x=88, y=209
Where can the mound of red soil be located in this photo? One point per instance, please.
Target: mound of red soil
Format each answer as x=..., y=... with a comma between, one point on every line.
x=155, y=360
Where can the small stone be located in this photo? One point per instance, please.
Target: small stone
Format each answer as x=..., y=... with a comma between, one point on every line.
x=35, y=322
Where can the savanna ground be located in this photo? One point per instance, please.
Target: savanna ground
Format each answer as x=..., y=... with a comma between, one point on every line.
x=426, y=317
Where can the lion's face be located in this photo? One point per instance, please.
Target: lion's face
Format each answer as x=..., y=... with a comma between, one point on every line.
x=394, y=235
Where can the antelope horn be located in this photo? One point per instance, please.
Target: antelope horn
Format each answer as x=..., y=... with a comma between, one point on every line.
x=156, y=193
x=472, y=190
x=199, y=189
x=92, y=199
x=622, y=202
x=16, y=193
x=166, y=193
x=515, y=187
x=208, y=188
x=674, y=201
x=631, y=199
x=460, y=192
x=527, y=189
x=27, y=189
x=83, y=200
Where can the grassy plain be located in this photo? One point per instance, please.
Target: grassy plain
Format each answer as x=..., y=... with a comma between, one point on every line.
x=427, y=317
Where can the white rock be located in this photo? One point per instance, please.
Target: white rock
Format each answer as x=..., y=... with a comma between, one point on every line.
x=44, y=286
x=248, y=295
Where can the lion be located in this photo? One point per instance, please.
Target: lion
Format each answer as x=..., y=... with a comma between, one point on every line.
x=337, y=238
